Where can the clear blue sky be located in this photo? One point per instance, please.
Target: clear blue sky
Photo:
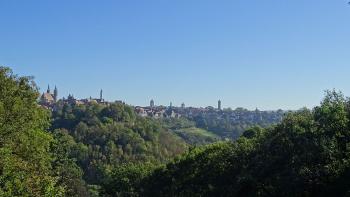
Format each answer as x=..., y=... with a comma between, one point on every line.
x=268, y=54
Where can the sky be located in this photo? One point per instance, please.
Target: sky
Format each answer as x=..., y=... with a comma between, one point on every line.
x=269, y=54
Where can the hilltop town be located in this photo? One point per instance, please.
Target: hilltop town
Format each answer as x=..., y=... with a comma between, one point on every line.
x=229, y=123
x=48, y=100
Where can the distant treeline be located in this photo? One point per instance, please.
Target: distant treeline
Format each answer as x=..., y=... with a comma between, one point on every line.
x=232, y=123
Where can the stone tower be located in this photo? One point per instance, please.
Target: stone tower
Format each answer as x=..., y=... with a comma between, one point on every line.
x=219, y=105
x=101, y=96
x=48, y=89
x=55, y=94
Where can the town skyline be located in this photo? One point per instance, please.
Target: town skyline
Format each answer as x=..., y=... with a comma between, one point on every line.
x=50, y=100
x=151, y=103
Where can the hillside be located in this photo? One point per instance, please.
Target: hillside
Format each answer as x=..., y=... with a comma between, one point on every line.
x=105, y=136
x=305, y=155
x=197, y=136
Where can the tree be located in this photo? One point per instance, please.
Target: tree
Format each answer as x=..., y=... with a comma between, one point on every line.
x=69, y=173
x=25, y=160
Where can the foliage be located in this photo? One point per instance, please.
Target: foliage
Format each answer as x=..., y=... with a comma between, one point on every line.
x=232, y=123
x=177, y=123
x=66, y=168
x=106, y=150
x=197, y=136
x=126, y=179
x=187, y=130
x=307, y=154
x=25, y=160
x=106, y=136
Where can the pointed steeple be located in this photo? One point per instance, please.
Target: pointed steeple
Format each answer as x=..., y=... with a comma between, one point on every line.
x=55, y=94
x=101, y=97
x=48, y=89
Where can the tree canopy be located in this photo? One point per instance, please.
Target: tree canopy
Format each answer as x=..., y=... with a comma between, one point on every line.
x=25, y=159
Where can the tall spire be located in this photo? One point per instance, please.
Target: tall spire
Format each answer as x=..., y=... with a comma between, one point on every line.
x=101, y=95
x=55, y=94
x=48, y=89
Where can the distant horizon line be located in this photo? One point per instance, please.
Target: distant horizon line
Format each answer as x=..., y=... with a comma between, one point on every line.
x=161, y=105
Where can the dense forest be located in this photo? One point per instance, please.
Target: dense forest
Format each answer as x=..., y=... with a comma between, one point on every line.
x=107, y=150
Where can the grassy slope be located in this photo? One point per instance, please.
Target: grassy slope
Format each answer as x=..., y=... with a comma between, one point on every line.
x=197, y=136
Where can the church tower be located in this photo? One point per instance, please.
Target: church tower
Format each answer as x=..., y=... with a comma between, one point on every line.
x=219, y=105
x=101, y=96
x=55, y=94
x=48, y=89
x=151, y=104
